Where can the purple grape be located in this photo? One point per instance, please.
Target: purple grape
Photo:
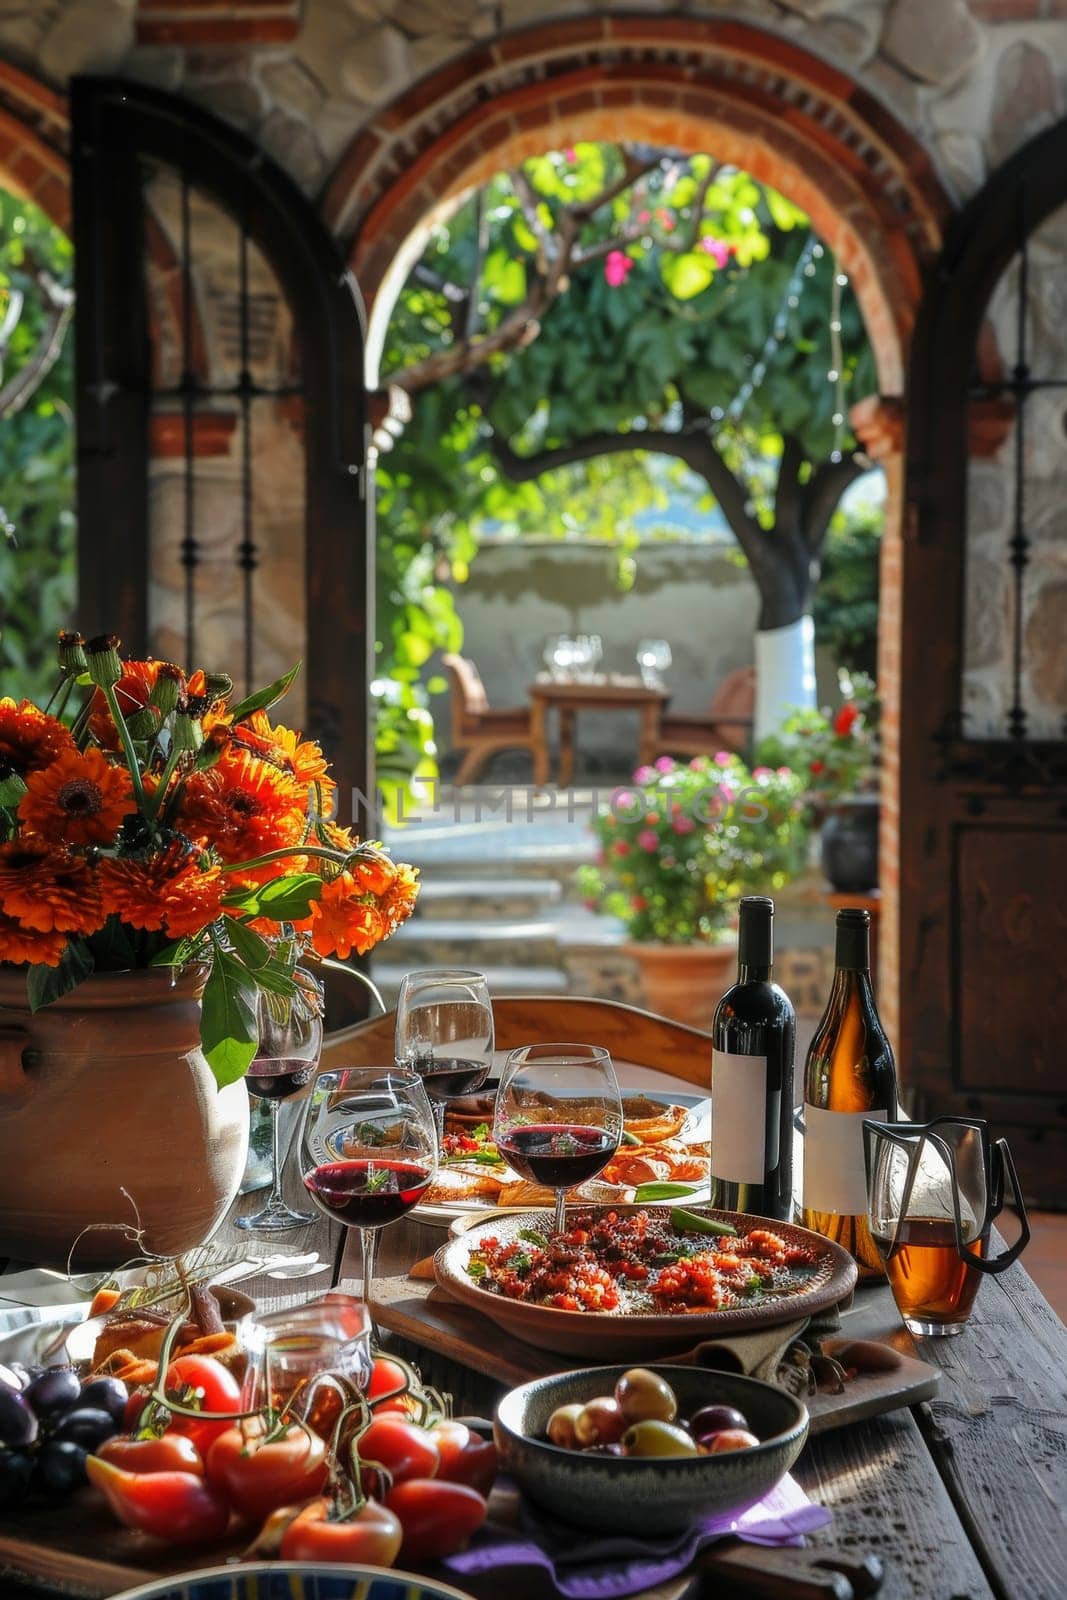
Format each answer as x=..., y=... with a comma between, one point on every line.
x=55, y=1390
x=15, y=1469
x=105, y=1394
x=61, y=1466
x=18, y=1425
x=86, y=1425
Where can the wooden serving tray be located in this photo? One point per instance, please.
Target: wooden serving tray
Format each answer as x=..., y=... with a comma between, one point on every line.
x=423, y=1315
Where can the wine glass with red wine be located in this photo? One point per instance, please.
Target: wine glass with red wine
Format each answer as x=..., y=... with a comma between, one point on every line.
x=290, y=1042
x=368, y=1150
x=558, y=1117
x=444, y=1032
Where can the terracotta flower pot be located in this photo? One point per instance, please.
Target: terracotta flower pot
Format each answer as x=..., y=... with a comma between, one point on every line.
x=684, y=981
x=104, y=1090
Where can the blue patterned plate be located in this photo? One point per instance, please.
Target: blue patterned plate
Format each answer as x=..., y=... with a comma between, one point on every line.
x=293, y=1580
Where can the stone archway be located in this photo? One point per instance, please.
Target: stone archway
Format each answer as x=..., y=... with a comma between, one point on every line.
x=756, y=100
x=34, y=143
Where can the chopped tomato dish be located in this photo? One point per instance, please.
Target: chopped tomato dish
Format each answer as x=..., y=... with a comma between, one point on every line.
x=639, y=1261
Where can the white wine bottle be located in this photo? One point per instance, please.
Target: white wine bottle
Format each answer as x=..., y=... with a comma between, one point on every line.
x=850, y=1074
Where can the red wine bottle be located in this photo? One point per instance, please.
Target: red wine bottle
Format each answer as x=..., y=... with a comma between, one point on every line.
x=754, y=1039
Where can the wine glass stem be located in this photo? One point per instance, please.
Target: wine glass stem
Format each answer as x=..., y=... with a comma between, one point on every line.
x=560, y=1220
x=368, y=1239
x=275, y=1200
x=439, y=1109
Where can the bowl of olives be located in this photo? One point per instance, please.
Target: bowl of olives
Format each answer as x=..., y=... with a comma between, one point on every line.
x=647, y=1450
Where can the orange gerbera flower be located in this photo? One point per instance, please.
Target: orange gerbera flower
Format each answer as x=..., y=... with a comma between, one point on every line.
x=20, y=944
x=398, y=902
x=299, y=758
x=169, y=891
x=29, y=740
x=344, y=919
x=243, y=807
x=374, y=871
x=132, y=690
x=78, y=799
x=45, y=888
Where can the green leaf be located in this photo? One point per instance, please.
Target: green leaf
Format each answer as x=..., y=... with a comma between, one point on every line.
x=253, y=950
x=264, y=698
x=45, y=984
x=112, y=947
x=687, y=275
x=285, y=899
x=228, y=1030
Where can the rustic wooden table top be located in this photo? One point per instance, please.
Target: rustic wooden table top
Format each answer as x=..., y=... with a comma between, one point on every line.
x=608, y=690
x=964, y=1497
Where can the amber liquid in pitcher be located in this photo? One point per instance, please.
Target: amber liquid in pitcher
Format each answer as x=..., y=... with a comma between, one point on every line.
x=929, y=1281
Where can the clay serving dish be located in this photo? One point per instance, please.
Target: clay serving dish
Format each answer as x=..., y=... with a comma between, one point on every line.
x=648, y=1495
x=626, y=1336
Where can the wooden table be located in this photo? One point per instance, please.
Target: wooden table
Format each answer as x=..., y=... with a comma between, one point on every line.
x=964, y=1498
x=603, y=692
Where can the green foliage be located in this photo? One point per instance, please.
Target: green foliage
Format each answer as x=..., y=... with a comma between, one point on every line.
x=846, y=601
x=683, y=842
x=37, y=579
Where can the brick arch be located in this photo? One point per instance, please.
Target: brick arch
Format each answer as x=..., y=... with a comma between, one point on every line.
x=34, y=143
x=747, y=96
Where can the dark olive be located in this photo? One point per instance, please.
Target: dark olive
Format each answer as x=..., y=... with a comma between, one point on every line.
x=713, y=1419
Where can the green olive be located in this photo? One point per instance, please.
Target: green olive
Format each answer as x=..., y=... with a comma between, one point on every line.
x=652, y=1438
x=561, y=1426
x=645, y=1395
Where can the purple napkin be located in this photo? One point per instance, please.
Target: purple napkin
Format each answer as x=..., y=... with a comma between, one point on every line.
x=608, y=1567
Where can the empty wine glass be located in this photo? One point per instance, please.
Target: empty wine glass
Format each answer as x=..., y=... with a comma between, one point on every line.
x=653, y=657
x=444, y=1032
x=558, y=1116
x=368, y=1151
x=283, y=1066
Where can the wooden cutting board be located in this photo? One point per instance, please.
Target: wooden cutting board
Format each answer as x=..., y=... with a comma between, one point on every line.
x=420, y=1313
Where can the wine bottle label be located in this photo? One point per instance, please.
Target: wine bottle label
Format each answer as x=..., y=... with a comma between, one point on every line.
x=739, y=1118
x=835, y=1178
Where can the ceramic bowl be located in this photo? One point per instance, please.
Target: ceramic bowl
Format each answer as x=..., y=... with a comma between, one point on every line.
x=293, y=1580
x=648, y=1495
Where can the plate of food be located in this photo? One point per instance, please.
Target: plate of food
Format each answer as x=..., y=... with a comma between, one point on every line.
x=626, y=1281
x=664, y=1156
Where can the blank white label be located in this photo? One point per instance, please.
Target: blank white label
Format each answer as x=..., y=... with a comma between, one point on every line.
x=834, y=1175
x=738, y=1117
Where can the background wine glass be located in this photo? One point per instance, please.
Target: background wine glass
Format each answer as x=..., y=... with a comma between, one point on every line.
x=283, y=1066
x=653, y=657
x=444, y=1032
x=368, y=1151
x=558, y=1115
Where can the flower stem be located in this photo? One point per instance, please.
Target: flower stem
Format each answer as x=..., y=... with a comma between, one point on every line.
x=339, y=856
x=353, y=972
x=168, y=772
x=127, y=748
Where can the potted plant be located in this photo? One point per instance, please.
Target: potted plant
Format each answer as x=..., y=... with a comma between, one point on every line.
x=167, y=857
x=678, y=847
x=837, y=752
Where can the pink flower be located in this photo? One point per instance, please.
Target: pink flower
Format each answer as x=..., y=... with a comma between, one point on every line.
x=621, y=848
x=664, y=764
x=639, y=903
x=715, y=248
x=617, y=268
x=726, y=794
x=648, y=839
x=644, y=775
x=644, y=216
x=785, y=772
x=723, y=758
x=571, y=153
x=761, y=772
x=696, y=764
x=683, y=824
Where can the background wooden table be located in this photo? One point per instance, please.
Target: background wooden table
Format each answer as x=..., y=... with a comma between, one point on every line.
x=601, y=693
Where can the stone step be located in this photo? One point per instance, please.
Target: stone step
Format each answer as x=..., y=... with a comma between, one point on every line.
x=485, y=898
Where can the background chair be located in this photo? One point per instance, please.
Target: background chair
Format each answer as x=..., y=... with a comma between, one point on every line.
x=653, y=1043
x=481, y=731
x=726, y=725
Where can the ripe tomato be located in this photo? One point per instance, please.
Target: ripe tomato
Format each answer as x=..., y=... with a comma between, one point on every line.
x=213, y=1388
x=135, y=1404
x=402, y=1449
x=465, y=1457
x=178, y=1507
x=386, y=1380
x=260, y=1473
x=171, y=1452
x=437, y=1517
x=371, y=1536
